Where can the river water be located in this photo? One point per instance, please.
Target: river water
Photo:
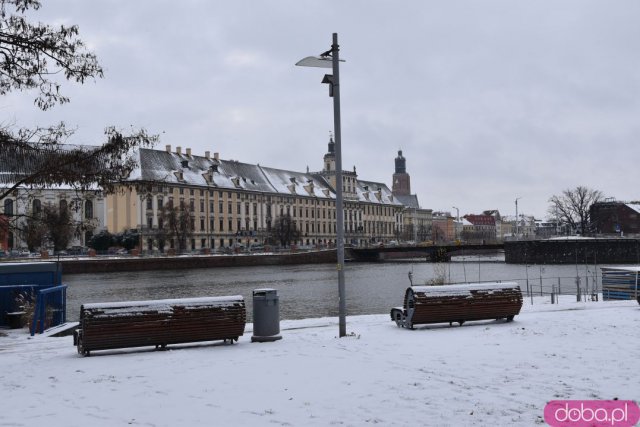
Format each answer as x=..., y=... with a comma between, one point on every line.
x=311, y=290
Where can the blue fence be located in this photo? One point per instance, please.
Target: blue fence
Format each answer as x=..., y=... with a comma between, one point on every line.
x=50, y=309
x=20, y=284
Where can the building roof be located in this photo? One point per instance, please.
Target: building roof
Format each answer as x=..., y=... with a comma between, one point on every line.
x=410, y=201
x=216, y=173
x=481, y=219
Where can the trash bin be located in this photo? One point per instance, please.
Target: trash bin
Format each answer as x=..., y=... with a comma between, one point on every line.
x=266, y=316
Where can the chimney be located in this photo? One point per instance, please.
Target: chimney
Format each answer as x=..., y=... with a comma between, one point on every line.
x=207, y=155
x=216, y=156
x=178, y=150
x=168, y=148
x=189, y=152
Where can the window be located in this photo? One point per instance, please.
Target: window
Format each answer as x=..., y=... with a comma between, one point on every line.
x=37, y=207
x=63, y=205
x=181, y=190
x=150, y=222
x=202, y=224
x=192, y=205
x=230, y=225
x=8, y=207
x=221, y=225
x=229, y=208
x=191, y=191
x=149, y=203
x=160, y=202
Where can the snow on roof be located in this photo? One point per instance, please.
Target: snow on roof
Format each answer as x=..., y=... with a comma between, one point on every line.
x=634, y=206
x=410, y=201
x=371, y=187
x=172, y=168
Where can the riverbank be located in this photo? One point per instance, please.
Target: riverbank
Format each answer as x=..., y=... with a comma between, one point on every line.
x=483, y=373
x=132, y=263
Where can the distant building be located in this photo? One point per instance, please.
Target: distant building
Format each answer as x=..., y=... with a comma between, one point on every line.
x=444, y=228
x=230, y=202
x=615, y=218
x=482, y=229
x=23, y=202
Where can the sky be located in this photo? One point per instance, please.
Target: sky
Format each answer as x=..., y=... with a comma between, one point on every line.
x=490, y=101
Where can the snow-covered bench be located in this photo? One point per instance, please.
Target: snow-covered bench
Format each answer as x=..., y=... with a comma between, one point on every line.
x=112, y=325
x=458, y=303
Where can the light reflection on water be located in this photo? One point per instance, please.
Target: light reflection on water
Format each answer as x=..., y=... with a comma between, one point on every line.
x=311, y=290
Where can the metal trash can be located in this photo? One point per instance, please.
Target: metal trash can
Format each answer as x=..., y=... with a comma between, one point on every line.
x=266, y=316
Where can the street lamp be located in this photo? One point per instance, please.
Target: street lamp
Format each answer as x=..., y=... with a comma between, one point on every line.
x=331, y=59
x=455, y=229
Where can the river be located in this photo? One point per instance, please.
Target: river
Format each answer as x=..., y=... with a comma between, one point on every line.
x=307, y=291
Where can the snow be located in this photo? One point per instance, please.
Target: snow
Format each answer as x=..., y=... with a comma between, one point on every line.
x=463, y=289
x=151, y=304
x=483, y=373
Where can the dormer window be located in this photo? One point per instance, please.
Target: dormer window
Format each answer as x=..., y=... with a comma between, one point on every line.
x=185, y=164
x=236, y=181
x=179, y=175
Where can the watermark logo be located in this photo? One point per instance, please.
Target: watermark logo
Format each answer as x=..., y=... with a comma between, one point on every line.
x=592, y=413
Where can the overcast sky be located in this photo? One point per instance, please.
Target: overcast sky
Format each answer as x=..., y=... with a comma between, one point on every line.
x=489, y=100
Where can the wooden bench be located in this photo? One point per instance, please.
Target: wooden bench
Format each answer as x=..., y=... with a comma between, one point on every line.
x=106, y=326
x=458, y=303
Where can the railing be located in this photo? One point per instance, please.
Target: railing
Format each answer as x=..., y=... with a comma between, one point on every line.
x=50, y=309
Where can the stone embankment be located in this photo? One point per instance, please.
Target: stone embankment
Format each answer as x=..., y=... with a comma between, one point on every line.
x=572, y=251
x=104, y=265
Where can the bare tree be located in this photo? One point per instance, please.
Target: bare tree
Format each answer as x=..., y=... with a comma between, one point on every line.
x=36, y=56
x=33, y=232
x=59, y=226
x=33, y=55
x=572, y=207
x=176, y=223
x=285, y=230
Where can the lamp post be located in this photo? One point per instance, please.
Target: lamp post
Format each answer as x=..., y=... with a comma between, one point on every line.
x=331, y=59
x=517, y=234
x=455, y=229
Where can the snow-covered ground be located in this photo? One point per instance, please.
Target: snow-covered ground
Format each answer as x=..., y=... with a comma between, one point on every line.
x=483, y=373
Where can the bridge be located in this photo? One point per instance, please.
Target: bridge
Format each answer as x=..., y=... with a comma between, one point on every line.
x=434, y=253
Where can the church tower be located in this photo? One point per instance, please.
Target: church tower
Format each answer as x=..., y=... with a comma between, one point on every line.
x=330, y=157
x=401, y=180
